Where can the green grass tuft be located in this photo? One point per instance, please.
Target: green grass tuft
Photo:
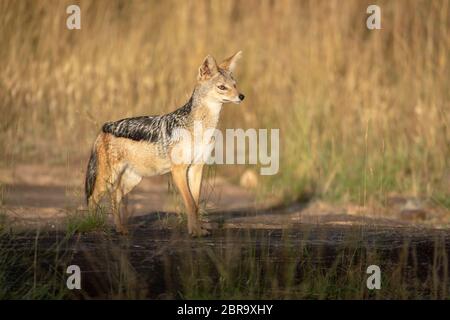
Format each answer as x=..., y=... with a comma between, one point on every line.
x=87, y=221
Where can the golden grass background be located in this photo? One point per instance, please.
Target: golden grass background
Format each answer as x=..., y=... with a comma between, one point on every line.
x=362, y=114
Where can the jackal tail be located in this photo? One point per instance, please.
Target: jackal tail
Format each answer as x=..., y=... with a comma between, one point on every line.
x=91, y=175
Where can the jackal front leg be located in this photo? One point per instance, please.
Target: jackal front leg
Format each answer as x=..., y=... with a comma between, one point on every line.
x=195, y=181
x=180, y=174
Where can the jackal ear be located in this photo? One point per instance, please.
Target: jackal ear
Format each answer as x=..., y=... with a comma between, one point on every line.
x=207, y=69
x=230, y=63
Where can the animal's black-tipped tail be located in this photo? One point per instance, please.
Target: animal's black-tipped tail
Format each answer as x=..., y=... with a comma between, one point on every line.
x=91, y=175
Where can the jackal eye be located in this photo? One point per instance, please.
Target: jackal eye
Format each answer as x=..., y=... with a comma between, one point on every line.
x=222, y=87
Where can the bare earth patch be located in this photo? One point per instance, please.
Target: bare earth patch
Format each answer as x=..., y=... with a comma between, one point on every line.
x=35, y=196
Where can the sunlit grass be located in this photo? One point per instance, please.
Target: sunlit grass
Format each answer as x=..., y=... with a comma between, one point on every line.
x=87, y=221
x=361, y=113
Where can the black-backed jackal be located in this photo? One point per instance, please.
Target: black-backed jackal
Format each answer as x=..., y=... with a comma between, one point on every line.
x=129, y=149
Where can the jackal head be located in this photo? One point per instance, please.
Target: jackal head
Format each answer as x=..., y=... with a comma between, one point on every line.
x=216, y=81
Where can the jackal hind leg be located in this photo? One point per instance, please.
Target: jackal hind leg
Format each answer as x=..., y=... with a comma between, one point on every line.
x=126, y=181
x=129, y=180
x=115, y=208
x=100, y=189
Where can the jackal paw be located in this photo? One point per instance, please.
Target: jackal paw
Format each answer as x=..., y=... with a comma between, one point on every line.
x=199, y=231
x=122, y=230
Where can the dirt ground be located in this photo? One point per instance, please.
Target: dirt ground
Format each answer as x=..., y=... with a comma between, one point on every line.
x=36, y=195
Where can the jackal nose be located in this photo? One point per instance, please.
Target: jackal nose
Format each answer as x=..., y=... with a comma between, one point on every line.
x=241, y=96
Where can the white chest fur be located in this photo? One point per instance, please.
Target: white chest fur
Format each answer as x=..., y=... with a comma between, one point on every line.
x=204, y=131
x=195, y=144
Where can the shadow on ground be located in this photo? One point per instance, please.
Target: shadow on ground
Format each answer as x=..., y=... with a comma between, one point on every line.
x=304, y=261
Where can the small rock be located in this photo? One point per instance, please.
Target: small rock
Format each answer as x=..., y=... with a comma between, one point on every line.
x=249, y=179
x=413, y=214
x=413, y=204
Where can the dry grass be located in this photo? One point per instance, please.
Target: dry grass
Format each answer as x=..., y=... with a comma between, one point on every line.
x=362, y=113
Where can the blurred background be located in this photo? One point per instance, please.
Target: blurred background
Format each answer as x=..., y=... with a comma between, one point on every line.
x=363, y=115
